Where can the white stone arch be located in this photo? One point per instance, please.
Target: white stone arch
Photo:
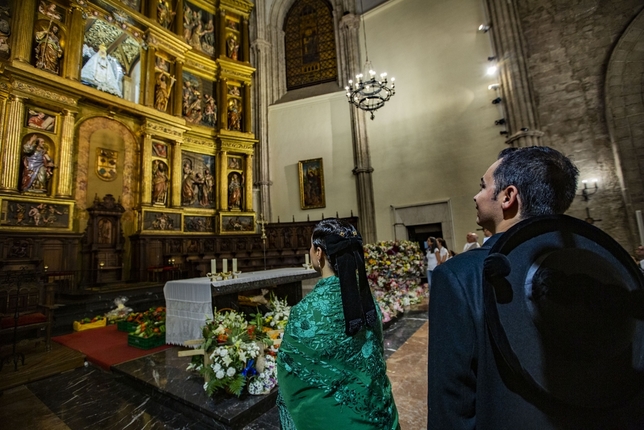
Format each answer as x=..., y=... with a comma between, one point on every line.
x=624, y=89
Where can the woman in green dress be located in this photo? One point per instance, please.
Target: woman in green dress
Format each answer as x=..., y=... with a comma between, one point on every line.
x=330, y=365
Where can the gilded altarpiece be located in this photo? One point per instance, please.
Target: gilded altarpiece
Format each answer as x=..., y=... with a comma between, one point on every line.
x=145, y=100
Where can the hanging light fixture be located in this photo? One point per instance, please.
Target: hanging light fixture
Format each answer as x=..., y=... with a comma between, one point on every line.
x=369, y=93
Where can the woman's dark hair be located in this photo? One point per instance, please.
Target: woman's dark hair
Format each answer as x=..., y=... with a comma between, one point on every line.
x=432, y=243
x=545, y=179
x=330, y=226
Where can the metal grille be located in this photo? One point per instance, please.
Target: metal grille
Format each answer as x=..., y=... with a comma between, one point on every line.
x=309, y=43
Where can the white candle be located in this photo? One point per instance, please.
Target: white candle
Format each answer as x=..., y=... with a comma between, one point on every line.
x=307, y=259
x=225, y=264
x=234, y=265
x=213, y=266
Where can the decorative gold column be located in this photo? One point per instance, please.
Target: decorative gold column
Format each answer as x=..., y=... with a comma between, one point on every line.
x=177, y=109
x=64, y=178
x=3, y=110
x=223, y=181
x=178, y=19
x=11, y=153
x=222, y=108
x=146, y=169
x=72, y=59
x=22, y=26
x=247, y=127
x=149, y=77
x=222, y=33
x=248, y=185
x=245, y=42
x=177, y=174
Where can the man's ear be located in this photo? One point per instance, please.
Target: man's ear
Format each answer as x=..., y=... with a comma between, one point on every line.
x=510, y=198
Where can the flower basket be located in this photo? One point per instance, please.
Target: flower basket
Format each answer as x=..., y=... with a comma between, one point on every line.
x=146, y=342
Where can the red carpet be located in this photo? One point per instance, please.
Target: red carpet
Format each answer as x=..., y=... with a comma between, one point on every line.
x=105, y=346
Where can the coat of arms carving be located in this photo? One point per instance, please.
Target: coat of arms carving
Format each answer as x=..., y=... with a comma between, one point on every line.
x=106, y=164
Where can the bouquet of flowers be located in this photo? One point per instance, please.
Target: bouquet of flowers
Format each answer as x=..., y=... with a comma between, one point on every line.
x=232, y=349
x=394, y=269
x=277, y=317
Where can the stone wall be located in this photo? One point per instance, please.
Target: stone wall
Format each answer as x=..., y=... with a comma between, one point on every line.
x=569, y=45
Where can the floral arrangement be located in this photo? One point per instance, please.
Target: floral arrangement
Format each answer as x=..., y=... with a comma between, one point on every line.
x=394, y=269
x=234, y=355
x=277, y=317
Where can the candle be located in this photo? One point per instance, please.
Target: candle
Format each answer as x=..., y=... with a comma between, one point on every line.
x=213, y=266
x=307, y=259
x=225, y=264
x=234, y=265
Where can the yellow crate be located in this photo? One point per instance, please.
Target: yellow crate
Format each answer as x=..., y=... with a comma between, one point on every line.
x=78, y=326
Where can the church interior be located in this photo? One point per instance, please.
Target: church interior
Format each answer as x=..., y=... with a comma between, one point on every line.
x=143, y=139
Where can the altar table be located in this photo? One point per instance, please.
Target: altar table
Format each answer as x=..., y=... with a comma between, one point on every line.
x=190, y=301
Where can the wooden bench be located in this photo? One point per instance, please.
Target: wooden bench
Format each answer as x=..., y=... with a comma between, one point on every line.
x=26, y=305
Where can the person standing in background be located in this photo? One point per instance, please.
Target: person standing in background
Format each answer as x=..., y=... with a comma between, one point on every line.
x=472, y=240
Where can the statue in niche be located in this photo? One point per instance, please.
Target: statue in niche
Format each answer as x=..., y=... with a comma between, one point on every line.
x=160, y=182
x=188, y=186
x=102, y=71
x=234, y=115
x=232, y=47
x=104, y=231
x=5, y=30
x=191, y=101
x=165, y=15
x=208, y=38
x=206, y=188
x=49, y=10
x=48, y=49
x=210, y=111
x=162, y=90
x=38, y=166
x=235, y=192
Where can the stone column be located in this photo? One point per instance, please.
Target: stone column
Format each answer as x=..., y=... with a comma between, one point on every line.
x=146, y=170
x=223, y=182
x=64, y=166
x=22, y=30
x=517, y=97
x=247, y=117
x=349, y=28
x=11, y=151
x=177, y=174
x=248, y=185
x=72, y=58
x=177, y=109
x=261, y=90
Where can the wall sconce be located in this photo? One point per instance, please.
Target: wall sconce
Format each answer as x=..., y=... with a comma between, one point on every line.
x=171, y=261
x=492, y=70
x=588, y=191
x=494, y=87
x=101, y=265
x=46, y=268
x=500, y=121
x=496, y=101
x=484, y=28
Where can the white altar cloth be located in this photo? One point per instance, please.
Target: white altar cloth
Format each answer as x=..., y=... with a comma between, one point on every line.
x=189, y=301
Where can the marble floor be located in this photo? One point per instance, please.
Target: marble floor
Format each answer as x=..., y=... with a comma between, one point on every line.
x=89, y=398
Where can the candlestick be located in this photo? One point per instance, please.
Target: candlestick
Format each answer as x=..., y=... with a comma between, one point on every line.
x=234, y=265
x=307, y=259
x=213, y=266
x=225, y=265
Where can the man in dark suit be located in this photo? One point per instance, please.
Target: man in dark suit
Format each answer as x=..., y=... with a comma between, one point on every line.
x=465, y=388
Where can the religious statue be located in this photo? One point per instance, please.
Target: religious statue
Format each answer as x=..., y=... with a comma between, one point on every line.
x=5, y=30
x=49, y=9
x=191, y=102
x=103, y=72
x=165, y=15
x=234, y=115
x=232, y=47
x=207, y=187
x=208, y=39
x=188, y=196
x=210, y=112
x=160, y=182
x=38, y=166
x=235, y=192
x=48, y=49
x=104, y=231
x=162, y=90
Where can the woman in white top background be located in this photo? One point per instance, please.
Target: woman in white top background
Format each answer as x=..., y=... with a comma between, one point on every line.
x=432, y=258
x=443, y=252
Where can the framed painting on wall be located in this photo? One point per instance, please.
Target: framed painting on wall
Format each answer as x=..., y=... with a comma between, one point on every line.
x=311, y=174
